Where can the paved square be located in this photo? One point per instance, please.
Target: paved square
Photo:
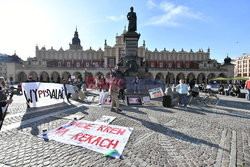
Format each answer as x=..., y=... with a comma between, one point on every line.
x=196, y=136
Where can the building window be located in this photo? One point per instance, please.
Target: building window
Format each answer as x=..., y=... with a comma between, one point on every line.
x=68, y=64
x=40, y=63
x=59, y=64
x=178, y=65
x=78, y=64
x=152, y=65
x=205, y=64
x=111, y=62
x=161, y=65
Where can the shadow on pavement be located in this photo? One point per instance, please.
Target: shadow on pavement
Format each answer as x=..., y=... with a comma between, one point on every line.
x=173, y=133
x=235, y=104
x=34, y=125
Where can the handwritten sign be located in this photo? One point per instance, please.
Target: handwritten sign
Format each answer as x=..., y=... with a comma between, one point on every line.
x=93, y=136
x=155, y=93
x=39, y=94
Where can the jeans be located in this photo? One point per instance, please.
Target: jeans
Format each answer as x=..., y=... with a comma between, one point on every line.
x=183, y=99
x=137, y=87
x=248, y=95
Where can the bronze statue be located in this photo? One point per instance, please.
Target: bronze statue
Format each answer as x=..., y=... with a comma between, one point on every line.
x=132, y=20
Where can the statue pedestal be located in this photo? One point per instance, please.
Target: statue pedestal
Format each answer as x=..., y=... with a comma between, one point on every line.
x=131, y=43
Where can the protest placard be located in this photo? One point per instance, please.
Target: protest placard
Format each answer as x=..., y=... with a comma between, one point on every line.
x=146, y=100
x=39, y=94
x=133, y=100
x=96, y=137
x=155, y=93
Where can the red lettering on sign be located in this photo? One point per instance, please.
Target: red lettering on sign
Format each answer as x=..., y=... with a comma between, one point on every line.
x=75, y=137
x=61, y=131
x=101, y=144
x=101, y=128
x=112, y=143
x=84, y=136
x=114, y=131
x=97, y=141
x=121, y=131
x=90, y=137
x=108, y=129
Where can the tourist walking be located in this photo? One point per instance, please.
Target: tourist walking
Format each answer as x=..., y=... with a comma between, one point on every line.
x=182, y=89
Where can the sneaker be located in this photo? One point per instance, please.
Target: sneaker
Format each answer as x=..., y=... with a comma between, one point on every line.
x=112, y=110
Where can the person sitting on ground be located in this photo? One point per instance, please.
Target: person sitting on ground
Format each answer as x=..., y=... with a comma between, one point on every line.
x=182, y=88
x=221, y=89
x=236, y=90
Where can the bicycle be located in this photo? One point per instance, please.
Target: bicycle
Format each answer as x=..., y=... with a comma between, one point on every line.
x=210, y=99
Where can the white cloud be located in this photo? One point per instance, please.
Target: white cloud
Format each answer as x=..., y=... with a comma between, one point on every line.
x=116, y=18
x=150, y=4
x=173, y=14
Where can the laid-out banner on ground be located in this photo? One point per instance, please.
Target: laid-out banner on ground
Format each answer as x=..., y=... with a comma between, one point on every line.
x=96, y=137
x=40, y=94
x=156, y=92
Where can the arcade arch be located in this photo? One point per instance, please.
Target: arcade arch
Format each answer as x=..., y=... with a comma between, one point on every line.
x=201, y=78
x=44, y=77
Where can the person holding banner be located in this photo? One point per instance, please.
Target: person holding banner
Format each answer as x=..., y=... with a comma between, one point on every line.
x=182, y=88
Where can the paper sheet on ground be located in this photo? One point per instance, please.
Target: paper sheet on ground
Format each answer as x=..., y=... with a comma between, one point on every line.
x=105, y=120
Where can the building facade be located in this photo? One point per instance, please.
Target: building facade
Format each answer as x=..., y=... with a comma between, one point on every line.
x=170, y=66
x=242, y=66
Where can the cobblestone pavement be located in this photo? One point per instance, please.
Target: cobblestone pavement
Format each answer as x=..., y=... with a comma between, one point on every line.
x=196, y=136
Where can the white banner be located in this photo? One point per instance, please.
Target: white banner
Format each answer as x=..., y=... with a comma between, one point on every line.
x=40, y=94
x=155, y=93
x=96, y=137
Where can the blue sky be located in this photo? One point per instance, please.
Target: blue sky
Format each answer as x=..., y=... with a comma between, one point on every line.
x=222, y=25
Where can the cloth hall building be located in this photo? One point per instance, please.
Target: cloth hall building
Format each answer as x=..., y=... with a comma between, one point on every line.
x=50, y=65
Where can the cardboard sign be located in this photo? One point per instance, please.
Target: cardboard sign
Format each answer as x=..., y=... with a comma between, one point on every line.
x=96, y=137
x=105, y=120
x=146, y=100
x=134, y=101
x=155, y=93
x=40, y=94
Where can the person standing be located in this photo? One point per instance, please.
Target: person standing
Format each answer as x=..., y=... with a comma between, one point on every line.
x=247, y=87
x=136, y=84
x=30, y=79
x=3, y=98
x=182, y=88
x=114, y=92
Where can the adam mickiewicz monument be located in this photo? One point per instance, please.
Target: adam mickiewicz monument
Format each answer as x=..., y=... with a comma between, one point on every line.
x=131, y=64
x=132, y=20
